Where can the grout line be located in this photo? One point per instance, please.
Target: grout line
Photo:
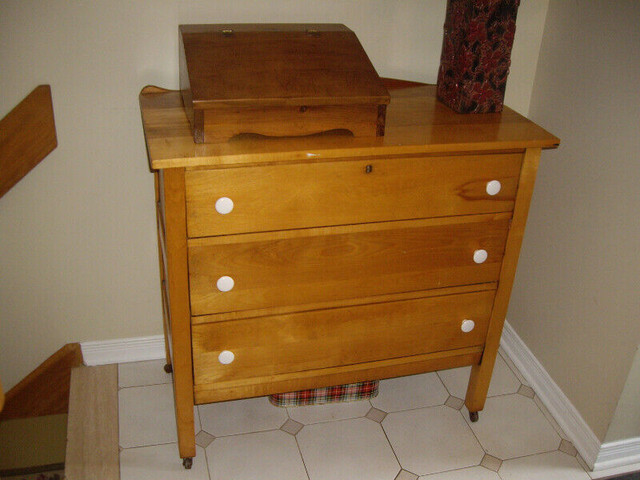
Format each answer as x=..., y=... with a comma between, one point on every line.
x=135, y=447
x=410, y=409
x=391, y=446
x=145, y=385
x=443, y=383
x=244, y=433
x=304, y=464
x=206, y=459
x=550, y=418
x=465, y=414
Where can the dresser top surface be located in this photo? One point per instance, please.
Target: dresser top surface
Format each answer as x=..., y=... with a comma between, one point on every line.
x=416, y=123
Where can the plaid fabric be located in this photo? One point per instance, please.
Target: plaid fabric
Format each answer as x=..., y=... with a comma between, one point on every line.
x=318, y=396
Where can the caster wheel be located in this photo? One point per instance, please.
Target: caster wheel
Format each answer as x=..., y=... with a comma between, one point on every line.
x=187, y=463
x=168, y=368
x=473, y=416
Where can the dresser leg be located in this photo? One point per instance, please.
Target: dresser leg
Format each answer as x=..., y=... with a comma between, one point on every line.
x=168, y=368
x=478, y=387
x=187, y=462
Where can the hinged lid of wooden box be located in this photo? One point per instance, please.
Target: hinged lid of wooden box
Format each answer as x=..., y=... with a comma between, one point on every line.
x=278, y=80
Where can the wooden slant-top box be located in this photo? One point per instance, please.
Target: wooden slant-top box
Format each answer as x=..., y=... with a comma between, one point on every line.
x=278, y=80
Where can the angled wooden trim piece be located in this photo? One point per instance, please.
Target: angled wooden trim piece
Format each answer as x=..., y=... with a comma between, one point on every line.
x=27, y=135
x=45, y=391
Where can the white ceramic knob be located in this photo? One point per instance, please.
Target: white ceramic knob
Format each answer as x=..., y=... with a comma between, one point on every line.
x=480, y=256
x=225, y=284
x=224, y=205
x=493, y=187
x=226, y=357
x=467, y=325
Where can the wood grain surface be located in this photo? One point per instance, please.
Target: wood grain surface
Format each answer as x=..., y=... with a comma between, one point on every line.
x=278, y=64
x=271, y=346
x=27, y=135
x=45, y=391
x=92, y=432
x=336, y=263
x=352, y=258
x=279, y=197
x=179, y=325
x=415, y=123
x=481, y=373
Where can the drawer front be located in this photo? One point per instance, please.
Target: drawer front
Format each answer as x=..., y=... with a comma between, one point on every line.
x=279, y=197
x=246, y=272
x=268, y=346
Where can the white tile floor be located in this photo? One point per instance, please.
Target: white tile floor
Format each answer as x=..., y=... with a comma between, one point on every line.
x=415, y=429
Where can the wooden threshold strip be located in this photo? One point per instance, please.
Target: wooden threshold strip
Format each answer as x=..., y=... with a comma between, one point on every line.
x=92, y=431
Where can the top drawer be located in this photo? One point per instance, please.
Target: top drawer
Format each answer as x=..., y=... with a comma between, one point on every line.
x=280, y=197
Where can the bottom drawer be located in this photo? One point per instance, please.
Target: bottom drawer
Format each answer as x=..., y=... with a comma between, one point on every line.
x=281, y=344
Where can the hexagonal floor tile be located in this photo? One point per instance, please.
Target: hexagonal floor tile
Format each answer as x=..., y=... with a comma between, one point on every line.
x=309, y=414
x=241, y=416
x=414, y=391
x=265, y=455
x=136, y=374
x=475, y=473
x=553, y=465
x=503, y=380
x=432, y=440
x=146, y=415
x=347, y=449
x=513, y=426
x=161, y=461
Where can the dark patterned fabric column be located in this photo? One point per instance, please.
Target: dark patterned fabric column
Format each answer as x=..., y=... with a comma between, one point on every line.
x=476, y=54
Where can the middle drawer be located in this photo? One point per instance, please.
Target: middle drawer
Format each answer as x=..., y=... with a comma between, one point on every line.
x=257, y=271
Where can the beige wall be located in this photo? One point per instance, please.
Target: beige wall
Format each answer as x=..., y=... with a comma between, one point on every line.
x=78, y=256
x=575, y=302
x=626, y=418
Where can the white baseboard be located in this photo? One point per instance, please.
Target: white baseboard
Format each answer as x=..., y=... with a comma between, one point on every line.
x=618, y=454
x=552, y=397
x=123, y=350
x=615, y=472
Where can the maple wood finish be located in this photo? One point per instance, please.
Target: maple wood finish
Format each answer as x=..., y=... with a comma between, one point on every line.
x=313, y=194
x=352, y=258
x=325, y=265
x=274, y=346
x=27, y=135
x=278, y=80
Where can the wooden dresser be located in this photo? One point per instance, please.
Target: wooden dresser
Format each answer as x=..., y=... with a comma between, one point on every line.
x=298, y=263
